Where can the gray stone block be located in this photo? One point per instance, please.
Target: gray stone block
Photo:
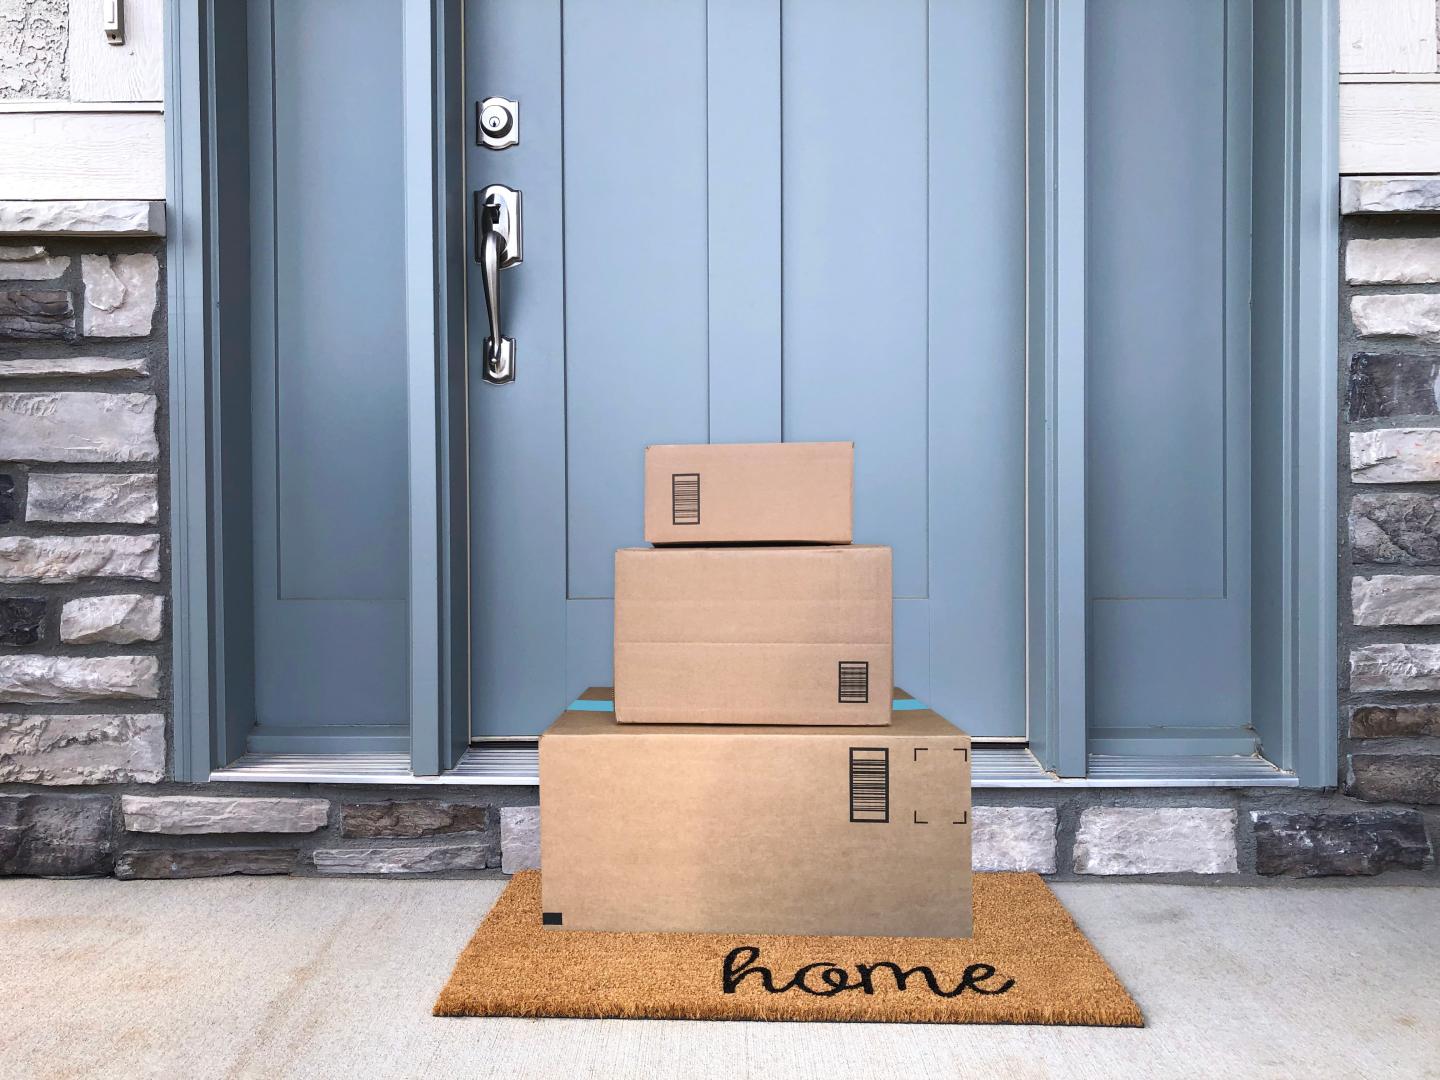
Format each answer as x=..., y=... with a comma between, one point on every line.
x=58, y=559
x=1395, y=528
x=184, y=815
x=1395, y=667
x=1395, y=384
x=204, y=862
x=48, y=367
x=120, y=294
x=1395, y=456
x=21, y=619
x=36, y=315
x=413, y=818
x=1393, y=261
x=90, y=217
x=39, y=267
x=431, y=859
x=31, y=678
x=519, y=838
x=1403, y=778
x=1327, y=845
x=1389, y=194
x=1394, y=721
x=115, y=620
x=1395, y=600
x=77, y=426
x=1410, y=315
x=1013, y=838
x=127, y=498
x=108, y=748
x=56, y=835
x=1161, y=840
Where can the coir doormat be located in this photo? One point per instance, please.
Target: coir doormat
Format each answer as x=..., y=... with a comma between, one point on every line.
x=1028, y=963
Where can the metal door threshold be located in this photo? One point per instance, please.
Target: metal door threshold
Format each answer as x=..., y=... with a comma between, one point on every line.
x=517, y=764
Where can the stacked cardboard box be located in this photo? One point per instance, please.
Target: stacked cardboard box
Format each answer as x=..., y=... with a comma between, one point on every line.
x=751, y=771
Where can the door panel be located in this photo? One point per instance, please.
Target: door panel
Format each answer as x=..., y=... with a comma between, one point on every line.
x=762, y=237
x=1168, y=374
x=328, y=383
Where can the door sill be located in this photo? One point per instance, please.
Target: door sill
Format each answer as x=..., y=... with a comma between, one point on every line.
x=516, y=763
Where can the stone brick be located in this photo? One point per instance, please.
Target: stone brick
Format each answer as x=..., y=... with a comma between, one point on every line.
x=115, y=620
x=1161, y=840
x=110, y=748
x=30, y=678
x=56, y=835
x=1390, y=194
x=1395, y=455
x=120, y=293
x=39, y=267
x=128, y=498
x=153, y=863
x=1395, y=528
x=1329, y=845
x=93, y=217
x=8, y=509
x=36, y=315
x=1395, y=600
x=1393, y=385
x=21, y=619
x=1395, y=261
x=1403, y=778
x=77, y=426
x=413, y=818
x=1412, y=315
x=1013, y=838
x=519, y=838
x=429, y=859
x=46, y=367
x=1395, y=667
x=20, y=252
x=1394, y=721
x=181, y=815
x=57, y=559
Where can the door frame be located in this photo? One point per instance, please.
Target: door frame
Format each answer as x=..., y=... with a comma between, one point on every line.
x=205, y=232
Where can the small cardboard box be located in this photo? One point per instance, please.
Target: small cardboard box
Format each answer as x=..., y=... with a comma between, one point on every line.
x=768, y=493
x=753, y=635
x=764, y=830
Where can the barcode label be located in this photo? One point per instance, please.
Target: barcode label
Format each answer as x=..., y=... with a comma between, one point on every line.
x=685, y=498
x=870, y=784
x=854, y=682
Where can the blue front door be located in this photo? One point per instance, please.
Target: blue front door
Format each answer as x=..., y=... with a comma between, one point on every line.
x=747, y=221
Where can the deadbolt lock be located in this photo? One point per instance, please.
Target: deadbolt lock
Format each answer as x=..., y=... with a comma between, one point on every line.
x=497, y=123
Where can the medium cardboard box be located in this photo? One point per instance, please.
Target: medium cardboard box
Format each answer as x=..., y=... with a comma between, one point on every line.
x=769, y=493
x=753, y=635
x=818, y=830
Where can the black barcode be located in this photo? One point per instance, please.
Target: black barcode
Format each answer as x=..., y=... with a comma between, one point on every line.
x=685, y=498
x=854, y=682
x=869, y=784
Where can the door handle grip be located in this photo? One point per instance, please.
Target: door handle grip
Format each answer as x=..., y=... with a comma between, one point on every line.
x=497, y=246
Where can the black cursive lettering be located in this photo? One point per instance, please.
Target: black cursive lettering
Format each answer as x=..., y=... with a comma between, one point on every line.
x=743, y=961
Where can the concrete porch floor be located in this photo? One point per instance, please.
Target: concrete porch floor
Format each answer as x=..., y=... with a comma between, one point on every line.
x=272, y=977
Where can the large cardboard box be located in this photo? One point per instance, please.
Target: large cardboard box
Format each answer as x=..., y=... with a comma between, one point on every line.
x=753, y=635
x=769, y=493
x=819, y=830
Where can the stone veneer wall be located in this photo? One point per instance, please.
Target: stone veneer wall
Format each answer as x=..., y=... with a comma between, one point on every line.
x=84, y=686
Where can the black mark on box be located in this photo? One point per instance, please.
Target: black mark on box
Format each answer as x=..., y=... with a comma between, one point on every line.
x=685, y=498
x=870, y=784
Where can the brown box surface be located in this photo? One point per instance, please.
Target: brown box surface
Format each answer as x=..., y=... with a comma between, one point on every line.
x=769, y=493
x=818, y=830
x=753, y=635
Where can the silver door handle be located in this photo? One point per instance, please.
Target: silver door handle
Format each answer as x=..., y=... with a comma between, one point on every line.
x=497, y=246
